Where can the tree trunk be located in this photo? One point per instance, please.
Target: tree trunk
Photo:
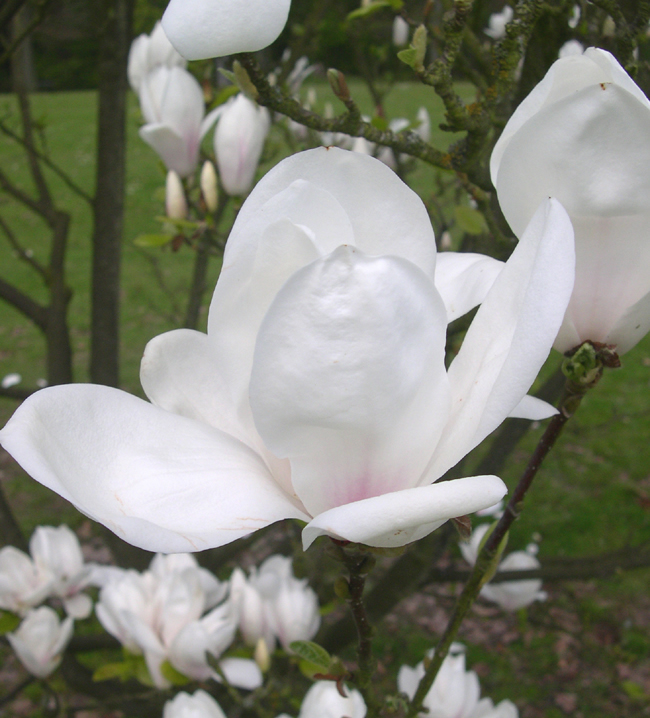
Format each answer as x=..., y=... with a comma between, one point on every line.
x=115, y=36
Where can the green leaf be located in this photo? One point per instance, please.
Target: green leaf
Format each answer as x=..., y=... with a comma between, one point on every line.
x=109, y=671
x=381, y=123
x=368, y=10
x=470, y=220
x=8, y=622
x=312, y=653
x=408, y=57
x=634, y=691
x=229, y=75
x=309, y=670
x=153, y=240
x=176, y=678
x=224, y=95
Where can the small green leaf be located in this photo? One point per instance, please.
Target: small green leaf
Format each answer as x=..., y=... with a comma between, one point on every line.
x=309, y=670
x=8, y=622
x=224, y=95
x=312, y=653
x=109, y=671
x=634, y=691
x=470, y=220
x=229, y=75
x=408, y=56
x=153, y=240
x=368, y=10
x=176, y=678
x=381, y=123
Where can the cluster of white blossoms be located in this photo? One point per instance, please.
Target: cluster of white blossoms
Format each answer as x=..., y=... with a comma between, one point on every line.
x=174, y=613
x=173, y=107
x=455, y=693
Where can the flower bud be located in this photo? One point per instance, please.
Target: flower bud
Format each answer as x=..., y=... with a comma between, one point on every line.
x=175, y=203
x=262, y=655
x=209, y=186
x=338, y=84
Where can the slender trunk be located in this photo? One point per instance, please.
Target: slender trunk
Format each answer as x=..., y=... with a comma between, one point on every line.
x=23, y=74
x=57, y=333
x=109, y=194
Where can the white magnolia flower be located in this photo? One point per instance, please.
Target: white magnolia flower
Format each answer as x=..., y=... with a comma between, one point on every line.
x=213, y=28
x=295, y=612
x=401, y=31
x=513, y=595
x=496, y=28
x=510, y=595
x=10, y=380
x=320, y=391
x=148, y=52
x=238, y=142
x=40, y=639
x=571, y=47
x=200, y=705
x=585, y=129
x=455, y=691
x=23, y=584
x=57, y=551
x=323, y=700
x=171, y=101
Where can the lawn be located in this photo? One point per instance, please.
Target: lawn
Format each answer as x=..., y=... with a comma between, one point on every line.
x=585, y=651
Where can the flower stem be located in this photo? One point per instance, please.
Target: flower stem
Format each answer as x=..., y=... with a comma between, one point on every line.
x=578, y=383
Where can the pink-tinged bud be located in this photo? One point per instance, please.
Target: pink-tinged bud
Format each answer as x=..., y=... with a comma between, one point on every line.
x=175, y=202
x=209, y=186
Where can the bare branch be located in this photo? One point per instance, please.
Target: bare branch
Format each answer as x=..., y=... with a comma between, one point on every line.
x=32, y=310
x=22, y=253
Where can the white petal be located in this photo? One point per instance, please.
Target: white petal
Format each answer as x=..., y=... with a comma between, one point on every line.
x=348, y=378
x=530, y=407
x=242, y=673
x=161, y=481
x=170, y=147
x=464, y=279
x=78, y=606
x=213, y=28
x=511, y=334
x=404, y=516
x=633, y=325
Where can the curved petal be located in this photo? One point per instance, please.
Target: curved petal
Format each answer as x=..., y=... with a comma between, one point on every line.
x=242, y=673
x=530, y=407
x=633, y=325
x=179, y=373
x=386, y=216
x=403, y=516
x=511, y=335
x=161, y=481
x=464, y=279
x=612, y=261
x=580, y=149
x=170, y=147
x=212, y=28
x=348, y=377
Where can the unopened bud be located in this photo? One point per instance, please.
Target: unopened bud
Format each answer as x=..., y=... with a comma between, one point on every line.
x=208, y=184
x=342, y=588
x=420, y=47
x=175, y=203
x=338, y=84
x=262, y=655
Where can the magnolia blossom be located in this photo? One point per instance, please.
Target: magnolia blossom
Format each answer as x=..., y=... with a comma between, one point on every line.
x=320, y=391
x=200, y=705
x=571, y=47
x=513, y=595
x=401, y=31
x=585, y=129
x=323, y=700
x=238, y=142
x=209, y=186
x=10, y=380
x=455, y=692
x=148, y=52
x=171, y=101
x=272, y=604
x=40, y=640
x=509, y=595
x=23, y=584
x=57, y=551
x=159, y=614
x=213, y=28
x=497, y=23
